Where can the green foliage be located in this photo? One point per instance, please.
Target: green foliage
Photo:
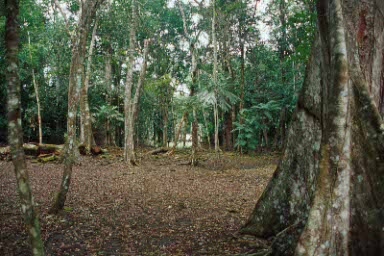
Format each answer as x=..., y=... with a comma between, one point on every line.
x=107, y=112
x=271, y=79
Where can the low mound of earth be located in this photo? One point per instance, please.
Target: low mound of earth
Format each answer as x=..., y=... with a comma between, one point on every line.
x=160, y=207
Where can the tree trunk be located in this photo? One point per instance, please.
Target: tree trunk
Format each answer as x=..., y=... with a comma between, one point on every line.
x=327, y=197
x=228, y=131
x=195, y=139
x=86, y=135
x=15, y=132
x=207, y=129
x=71, y=151
x=165, y=126
x=36, y=88
x=193, y=74
x=128, y=122
x=177, y=136
x=110, y=135
x=185, y=131
x=132, y=106
x=215, y=81
x=242, y=82
x=233, y=118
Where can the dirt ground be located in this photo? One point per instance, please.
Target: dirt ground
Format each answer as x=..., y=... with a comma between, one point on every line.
x=160, y=207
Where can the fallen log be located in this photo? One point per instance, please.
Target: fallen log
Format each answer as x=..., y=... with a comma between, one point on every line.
x=158, y=151
x=32, y=149
x=47, y=158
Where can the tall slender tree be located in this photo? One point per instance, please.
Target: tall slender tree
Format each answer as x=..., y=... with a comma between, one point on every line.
x=15, y=132
x=215, y=79
x=193, y=74
x=131, y=103
x=36, y=88
x=86, y=134
x=76, y=79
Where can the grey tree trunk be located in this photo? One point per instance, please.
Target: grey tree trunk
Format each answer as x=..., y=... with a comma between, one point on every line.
x=15, y=132
x=185, y=131
x=128, y=124
x=131, y=103
x=193, y=74
x=178, y=132
x=109, y=128
x=215, y=81
x=327, y=195
x=71, y=151
x=86, y=134
x=207, y=129
x=242, y=79
x=36, y=88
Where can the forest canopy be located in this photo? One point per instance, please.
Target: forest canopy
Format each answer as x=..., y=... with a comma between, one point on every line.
x=262, y=48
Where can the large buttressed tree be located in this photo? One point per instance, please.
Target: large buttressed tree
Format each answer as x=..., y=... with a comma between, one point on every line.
x=327, y=195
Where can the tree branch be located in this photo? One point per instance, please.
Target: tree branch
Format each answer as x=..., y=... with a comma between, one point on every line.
x=65, y=18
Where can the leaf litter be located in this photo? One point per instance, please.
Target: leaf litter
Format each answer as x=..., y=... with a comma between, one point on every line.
x=160, y=207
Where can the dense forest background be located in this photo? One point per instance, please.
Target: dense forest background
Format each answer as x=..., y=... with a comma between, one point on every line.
x=262, y=49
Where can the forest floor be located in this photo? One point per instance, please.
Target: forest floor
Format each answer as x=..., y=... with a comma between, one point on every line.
x=160, y=207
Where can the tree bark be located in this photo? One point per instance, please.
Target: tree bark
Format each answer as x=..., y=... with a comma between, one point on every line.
x=15, y=132
x=165, y=127
x=86, y=134
x=242, y=78
x=327, y=197
x=195, y=139
x=131, y=107
x=193, y=74
x=109, y=129
x=215, y=81
x=71, y=151
x=128, y=122
x=185, y=130
x=207, y=129
x=178, y=132
x=36, y=88
x=280, y=132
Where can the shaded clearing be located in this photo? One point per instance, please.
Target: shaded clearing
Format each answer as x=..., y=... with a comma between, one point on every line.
x=161, y=207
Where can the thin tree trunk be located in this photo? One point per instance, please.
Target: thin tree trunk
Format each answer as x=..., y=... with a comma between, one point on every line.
x=128, y=142
x=215, y=81
x=233, y=117
x=242, y=35
x=165, y=127
x=71, y=152
x=207, y=130
x=109, y=96
x=193, y=74
x=279, y=137
x=15, y=132
x=132, y=106
x=228, y=131
x=177, y=136
x=185, y=131
x=86, y=134
x=195, y=139
x=265, y=135
x=36, y=88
